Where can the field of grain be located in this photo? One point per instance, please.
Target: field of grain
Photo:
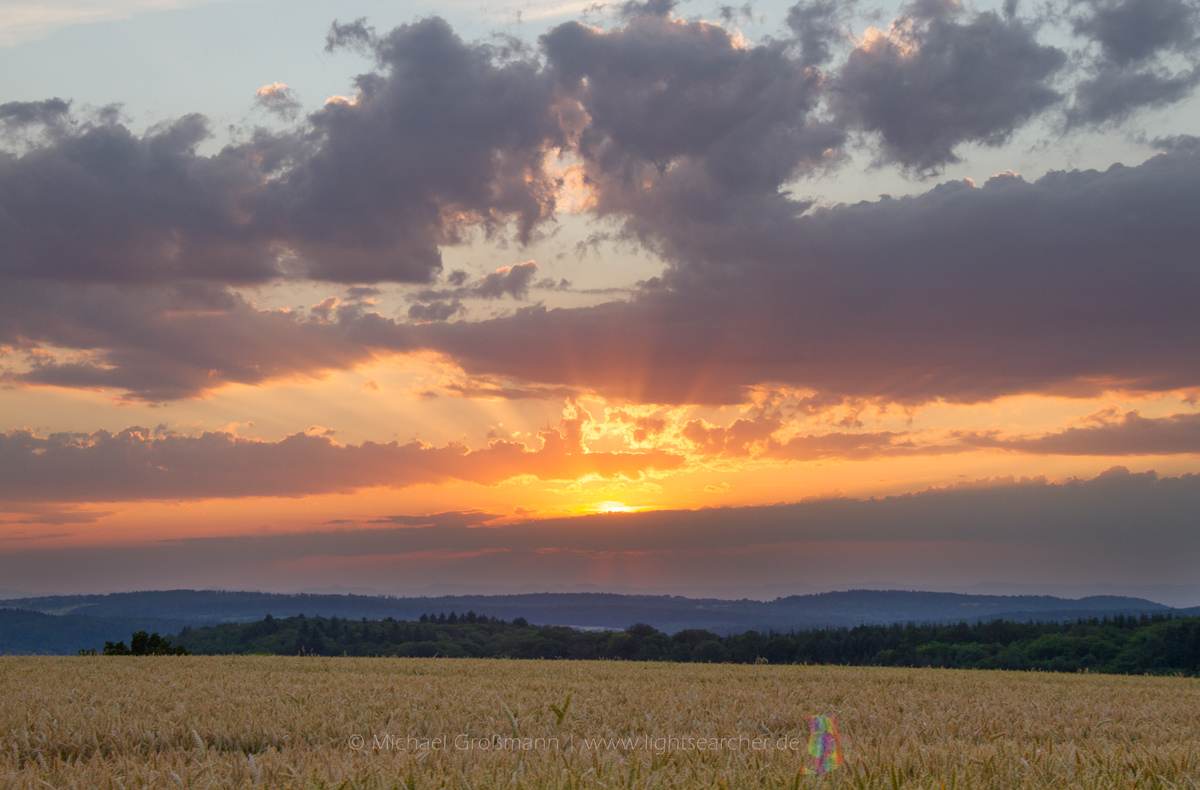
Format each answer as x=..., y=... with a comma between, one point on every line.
x=199, y=722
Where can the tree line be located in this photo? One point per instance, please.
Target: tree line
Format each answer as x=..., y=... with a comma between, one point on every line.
x=1159, y=643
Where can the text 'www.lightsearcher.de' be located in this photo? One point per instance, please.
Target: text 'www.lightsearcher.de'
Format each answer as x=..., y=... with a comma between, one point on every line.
x=648, y=743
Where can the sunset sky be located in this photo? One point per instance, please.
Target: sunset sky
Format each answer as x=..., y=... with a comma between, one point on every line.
x=557, y=295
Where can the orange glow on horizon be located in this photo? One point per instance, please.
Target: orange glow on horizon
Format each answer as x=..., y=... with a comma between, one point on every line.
x=739, y=470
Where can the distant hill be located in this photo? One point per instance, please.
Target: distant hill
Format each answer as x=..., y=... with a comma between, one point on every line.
x=35, y=633
x=598, y=610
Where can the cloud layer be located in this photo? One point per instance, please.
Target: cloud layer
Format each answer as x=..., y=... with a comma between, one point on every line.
x=1115, y=527
x=140, y=464
x=121, y=253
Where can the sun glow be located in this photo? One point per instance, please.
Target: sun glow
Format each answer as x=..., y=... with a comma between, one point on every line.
x=611, y=506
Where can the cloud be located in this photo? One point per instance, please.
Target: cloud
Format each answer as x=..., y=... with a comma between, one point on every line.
x=514, y=281
x=445, y=138
x=931, y=83
x=739, y=439
x=1112, y=94
x=658, y=8
x=451, y=518
x=856, y=446
x=441, y=139
x=15, y=115
x=1131, y=31
x=140, y=464
x=1142, y=45
x=1118, y=526
x=1108, y=435
x=278, y=98
x=435, y=311
x=362, y=292
x=119, y=251
x=816, y=25
x=351, y=35
x=674, y=117
x=1074, y=284
x=456, y=518
x=102, y=204
x=163, y=343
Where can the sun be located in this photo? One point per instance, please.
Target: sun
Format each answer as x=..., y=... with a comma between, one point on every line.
x=610, y=506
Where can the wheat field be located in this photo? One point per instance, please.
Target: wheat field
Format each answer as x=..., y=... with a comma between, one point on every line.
x=259, y=721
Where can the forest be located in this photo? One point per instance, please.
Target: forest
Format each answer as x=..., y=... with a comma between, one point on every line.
x=1156, y=644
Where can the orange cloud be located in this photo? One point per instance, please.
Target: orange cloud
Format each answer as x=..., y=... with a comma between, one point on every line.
x=139, y=464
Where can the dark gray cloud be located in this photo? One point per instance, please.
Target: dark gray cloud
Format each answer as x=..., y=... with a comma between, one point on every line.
x=732, y=14
x=441, y=139
x=105, y=205
x=20, y=114
x=1114, y=93
x=511, y=280
x=362, y=292
x=354, y=35
x=163, y=343
x=659, y=8
x=1131, y=31
x=438, y=304
x=1076, y=283
x=1118, y=526
x=817, y=24
x=934, y=83
x=1178, y=142
x=1149, y=56
x=678, y=117
x=435, y=311
x=444, y=139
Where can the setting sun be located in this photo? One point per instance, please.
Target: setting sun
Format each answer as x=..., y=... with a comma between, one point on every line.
x=610, y=506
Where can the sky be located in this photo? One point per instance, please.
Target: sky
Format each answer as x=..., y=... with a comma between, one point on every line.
x=676, y=297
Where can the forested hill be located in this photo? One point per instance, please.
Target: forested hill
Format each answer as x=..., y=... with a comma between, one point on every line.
x=605, y=610
x=1150, y=643
x=35, y=633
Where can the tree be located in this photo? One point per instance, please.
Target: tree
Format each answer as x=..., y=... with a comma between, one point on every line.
x=143, y=644
x=710, y=652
